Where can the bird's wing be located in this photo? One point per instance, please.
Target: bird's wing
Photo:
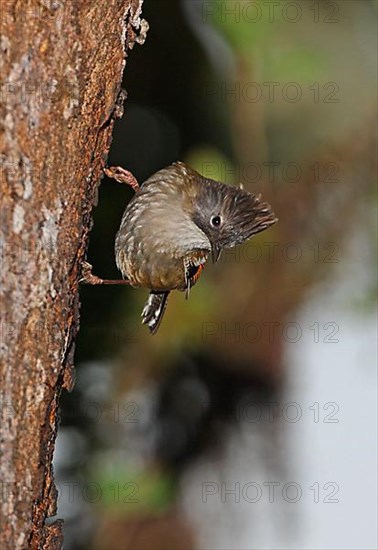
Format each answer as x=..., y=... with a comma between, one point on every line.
x=193, y=266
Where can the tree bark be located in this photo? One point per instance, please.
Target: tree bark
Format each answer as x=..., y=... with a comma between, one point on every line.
x=62, y=65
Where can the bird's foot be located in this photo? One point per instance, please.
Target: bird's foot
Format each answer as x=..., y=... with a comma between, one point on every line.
x=122, y=176
x=87, y=276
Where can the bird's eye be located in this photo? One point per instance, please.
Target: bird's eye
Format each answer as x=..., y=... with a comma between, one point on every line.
x=216, y=221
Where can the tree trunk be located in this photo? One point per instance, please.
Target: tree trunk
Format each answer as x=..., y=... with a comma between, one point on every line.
x=62, y=65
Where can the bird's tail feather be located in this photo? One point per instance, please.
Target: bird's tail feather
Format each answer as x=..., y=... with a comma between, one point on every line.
x=154, y=309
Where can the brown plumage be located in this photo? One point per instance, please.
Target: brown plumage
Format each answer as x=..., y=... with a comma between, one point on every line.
x=173, y=223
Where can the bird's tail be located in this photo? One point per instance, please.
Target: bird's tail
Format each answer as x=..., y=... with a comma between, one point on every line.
x=154, y=309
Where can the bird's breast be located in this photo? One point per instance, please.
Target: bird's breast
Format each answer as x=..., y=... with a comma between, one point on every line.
x=154, y=241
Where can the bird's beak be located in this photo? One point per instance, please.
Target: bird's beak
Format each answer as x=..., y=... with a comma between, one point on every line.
x=216, y=252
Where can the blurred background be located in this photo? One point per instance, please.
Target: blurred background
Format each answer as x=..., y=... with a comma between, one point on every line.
x=249, y=420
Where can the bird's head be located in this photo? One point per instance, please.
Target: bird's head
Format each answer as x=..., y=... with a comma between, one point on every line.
x=228, y=215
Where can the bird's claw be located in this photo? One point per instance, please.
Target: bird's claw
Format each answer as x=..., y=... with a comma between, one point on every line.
x=87, y=276
x=122, y=176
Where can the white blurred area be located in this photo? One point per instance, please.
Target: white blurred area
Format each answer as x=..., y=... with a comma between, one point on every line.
x=334, y=441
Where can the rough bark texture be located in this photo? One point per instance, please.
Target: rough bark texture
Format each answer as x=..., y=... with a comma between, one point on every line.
x=62, y=65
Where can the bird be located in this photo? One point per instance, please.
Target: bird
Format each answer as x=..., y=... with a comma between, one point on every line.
x=175, y=221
